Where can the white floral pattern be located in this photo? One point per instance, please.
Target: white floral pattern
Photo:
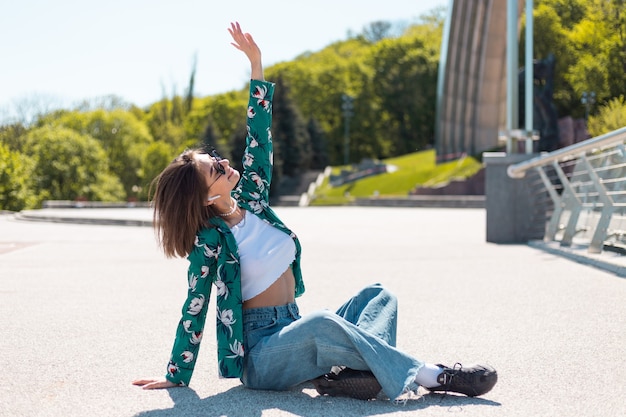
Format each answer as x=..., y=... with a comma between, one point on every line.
x=260, y=94
x=187, y=356
x=222, y=288
x=248, y=160
x=256, y=178
x=187, y=325
x=172, y=368
x=196, y=338
x=193, y=281
x=236, y=348
x=205, y=270
x=253, y=143
x=256, y=207
x=195, y=306
x=210, y=252
x=227, y=319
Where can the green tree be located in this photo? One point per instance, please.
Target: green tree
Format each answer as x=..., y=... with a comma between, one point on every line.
x=589, y=71
x=227, y=115
x=406, y=79
x=210, y=139
x=318, y=81
x=319, y=150
x=198, y=120
x=394, y=90
x=189, y=93
x=611, y=116
x=237, y=144
x=164, y=122
x=157, y=156
x=292, y=143
x=588, y=39
x=377, y=31
x=11, y=135
x=569, y=12
x=15, y=176
x=70, y=165
x=554, y=39
x=610, y=17
x=123, y=137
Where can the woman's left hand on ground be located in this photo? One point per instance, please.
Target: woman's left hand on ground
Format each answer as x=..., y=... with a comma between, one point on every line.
x=154, y=383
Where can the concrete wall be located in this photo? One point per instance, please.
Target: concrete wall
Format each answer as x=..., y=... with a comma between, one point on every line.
x=471, y=90
x=515, y=212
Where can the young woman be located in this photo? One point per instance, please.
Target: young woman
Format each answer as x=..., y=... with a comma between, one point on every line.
x=222, y=222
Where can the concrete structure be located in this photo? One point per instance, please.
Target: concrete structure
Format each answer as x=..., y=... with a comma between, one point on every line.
x=514, y=213
x=471, y=91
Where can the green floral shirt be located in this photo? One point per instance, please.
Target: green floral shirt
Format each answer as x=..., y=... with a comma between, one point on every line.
x=214, y=259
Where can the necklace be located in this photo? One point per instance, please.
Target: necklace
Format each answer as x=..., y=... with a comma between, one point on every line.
x=232, y=210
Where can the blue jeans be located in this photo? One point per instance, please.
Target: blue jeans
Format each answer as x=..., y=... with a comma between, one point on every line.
x=284, y=349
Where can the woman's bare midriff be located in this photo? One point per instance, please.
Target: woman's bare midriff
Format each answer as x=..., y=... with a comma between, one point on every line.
x=281, y=292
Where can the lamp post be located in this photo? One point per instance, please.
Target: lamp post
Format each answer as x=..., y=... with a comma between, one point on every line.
x=346, y=106
x=588, y=99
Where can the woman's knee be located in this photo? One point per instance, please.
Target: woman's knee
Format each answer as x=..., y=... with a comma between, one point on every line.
x=322, y=318
x=379, y=291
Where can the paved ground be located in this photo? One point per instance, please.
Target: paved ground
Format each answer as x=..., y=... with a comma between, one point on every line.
x=86, y=308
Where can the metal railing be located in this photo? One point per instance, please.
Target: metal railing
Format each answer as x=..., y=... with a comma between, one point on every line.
x=587, y=185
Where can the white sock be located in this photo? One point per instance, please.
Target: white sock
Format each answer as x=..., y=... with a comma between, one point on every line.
x=427, y=375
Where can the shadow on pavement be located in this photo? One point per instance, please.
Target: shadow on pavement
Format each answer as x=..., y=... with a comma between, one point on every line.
x=242, y=402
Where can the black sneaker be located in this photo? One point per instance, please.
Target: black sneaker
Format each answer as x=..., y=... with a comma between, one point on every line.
x=346, y=382
x=471, y=380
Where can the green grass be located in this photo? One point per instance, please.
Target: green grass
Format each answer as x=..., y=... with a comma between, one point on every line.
x=415, y=169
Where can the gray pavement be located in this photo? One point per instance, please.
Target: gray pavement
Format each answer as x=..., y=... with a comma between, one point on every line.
x=86, y=307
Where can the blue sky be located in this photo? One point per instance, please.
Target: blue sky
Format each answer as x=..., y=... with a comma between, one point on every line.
x=68, y=50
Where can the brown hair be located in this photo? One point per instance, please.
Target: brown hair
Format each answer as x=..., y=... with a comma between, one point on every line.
x=180, y=193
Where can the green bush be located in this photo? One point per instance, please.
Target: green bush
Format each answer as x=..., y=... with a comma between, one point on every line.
x=70, y=166
x=610, y=117
x=15, y=173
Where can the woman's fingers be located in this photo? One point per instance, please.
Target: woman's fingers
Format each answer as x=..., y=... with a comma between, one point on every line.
x=242, y=40
x=236, y=33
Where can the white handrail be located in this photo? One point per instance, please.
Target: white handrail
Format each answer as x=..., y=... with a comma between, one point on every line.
x=519, y=170
x=591, y=166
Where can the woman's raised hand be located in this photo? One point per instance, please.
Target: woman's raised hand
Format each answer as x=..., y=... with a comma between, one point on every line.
x=246, y=44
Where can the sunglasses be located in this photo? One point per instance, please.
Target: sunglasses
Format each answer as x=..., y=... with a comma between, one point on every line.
x=218, y=167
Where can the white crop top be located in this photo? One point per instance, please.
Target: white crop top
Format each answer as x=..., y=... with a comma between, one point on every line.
x=264, y=252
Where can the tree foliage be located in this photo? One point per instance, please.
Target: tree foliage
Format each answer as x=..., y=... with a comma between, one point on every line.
x=588, y=38
x=292, y=142
x=155, y=159
x=123, y=138
x=69, y=165
x=15, y=175
x=11, y=134
x=319, y=149
x=610, y=117
x=227, y=115
x=406, y=70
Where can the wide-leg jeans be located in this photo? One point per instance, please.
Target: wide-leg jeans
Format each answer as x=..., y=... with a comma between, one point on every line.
x=284, y=349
